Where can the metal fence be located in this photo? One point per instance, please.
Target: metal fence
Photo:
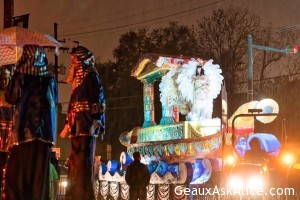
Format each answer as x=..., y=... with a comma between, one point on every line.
x=58, y=188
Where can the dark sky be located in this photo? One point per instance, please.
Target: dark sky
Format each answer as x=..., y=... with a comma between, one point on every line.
x=97, y=24
x=103, y=17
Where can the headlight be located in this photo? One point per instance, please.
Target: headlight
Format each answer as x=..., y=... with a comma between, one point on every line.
x=255, y=182
x=238, y=183
x=288, y=159
x=235, y=182
x=230, y=160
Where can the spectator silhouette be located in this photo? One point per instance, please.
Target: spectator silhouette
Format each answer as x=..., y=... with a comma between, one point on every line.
x=137, y=177
x=256, y=154
x=54, y=162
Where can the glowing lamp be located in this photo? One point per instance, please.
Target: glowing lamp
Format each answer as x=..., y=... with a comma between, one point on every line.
x=230, y=160
x=296, y=49
x=292, y=49
x=288, y=159
x=236, y=182
x=255, y=182
x=64, y=184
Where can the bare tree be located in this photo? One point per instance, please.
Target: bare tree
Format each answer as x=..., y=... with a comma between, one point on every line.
x=223, y=37
x=123, y=92
x=263, y=61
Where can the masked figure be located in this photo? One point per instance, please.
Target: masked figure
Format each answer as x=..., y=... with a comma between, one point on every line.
x=33, y=91
x=85, y=121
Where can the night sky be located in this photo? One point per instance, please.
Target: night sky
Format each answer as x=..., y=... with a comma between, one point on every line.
x=103, y=17
x=97, y=24
x=107, y=19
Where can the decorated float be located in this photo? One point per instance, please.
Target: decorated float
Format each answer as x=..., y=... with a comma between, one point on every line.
x=178, y=154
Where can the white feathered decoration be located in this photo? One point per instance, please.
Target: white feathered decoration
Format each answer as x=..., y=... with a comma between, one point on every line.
x=199, y=90
x=184, y=81
x=213, y=73
x=169, y=94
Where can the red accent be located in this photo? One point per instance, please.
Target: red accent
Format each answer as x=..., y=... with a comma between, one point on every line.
x=241, y=131
x=133, y=139
x=296, y=48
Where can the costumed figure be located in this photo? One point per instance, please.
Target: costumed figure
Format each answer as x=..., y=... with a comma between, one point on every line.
x=199, y=85
x=85, y=121
x=6, y=112
x=33, y=91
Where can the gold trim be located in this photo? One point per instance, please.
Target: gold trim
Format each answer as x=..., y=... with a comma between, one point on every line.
x=196, y=139
x=141, y=67
x=31, y=140
x=82, y=135
x=159, y=69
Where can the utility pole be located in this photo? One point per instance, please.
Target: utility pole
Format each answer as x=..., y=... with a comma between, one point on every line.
x=250, y=70
x=8, y=13
x=56, y=73
x=55, y=56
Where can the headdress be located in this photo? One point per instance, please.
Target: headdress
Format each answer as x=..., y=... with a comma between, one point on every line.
x=33, y=61
x=82, y=63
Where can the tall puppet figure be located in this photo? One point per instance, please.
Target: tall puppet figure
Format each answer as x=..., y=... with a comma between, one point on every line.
x=6, y=111
x=33, y=91
x=85, y=121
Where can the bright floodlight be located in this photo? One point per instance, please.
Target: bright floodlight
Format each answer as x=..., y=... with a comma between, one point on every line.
x=255, y=182
x=236, y=182
x=230, y=160
x=64, y=183
x=288, y=159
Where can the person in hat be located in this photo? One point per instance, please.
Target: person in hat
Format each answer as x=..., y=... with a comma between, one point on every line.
x=137, y=177
x=33, y=91
x=84, y=122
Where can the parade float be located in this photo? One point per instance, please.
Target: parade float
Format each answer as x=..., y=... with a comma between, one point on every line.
x=178, y=154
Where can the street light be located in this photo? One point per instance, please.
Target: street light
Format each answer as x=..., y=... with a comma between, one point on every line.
x=292, y=49
x=288, y=49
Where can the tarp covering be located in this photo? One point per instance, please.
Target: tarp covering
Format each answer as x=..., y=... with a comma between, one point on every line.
x=268, y=142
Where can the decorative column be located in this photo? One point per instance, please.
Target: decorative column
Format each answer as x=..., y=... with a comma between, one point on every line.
x=148, y=105
x=167, y=115
x=176, y=113
x=169, y=98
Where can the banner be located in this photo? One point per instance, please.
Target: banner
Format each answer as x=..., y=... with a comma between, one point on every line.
x=21, y=21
